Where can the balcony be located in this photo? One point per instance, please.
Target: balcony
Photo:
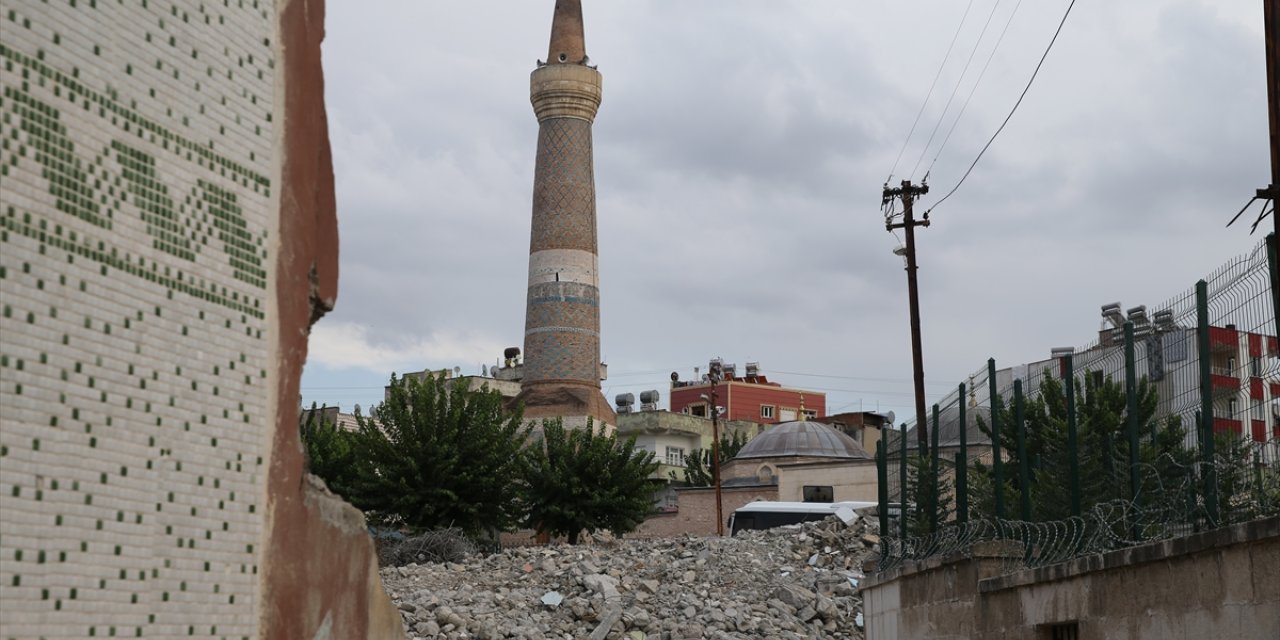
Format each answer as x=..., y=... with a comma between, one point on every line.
x=1223, y=340
x=1224, y=385
x=1227, y=425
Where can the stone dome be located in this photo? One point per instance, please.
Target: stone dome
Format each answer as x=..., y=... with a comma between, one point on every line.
x=802, y=438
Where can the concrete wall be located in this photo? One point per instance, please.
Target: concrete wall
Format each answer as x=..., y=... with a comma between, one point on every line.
x=167, y=236
x=1224, y=584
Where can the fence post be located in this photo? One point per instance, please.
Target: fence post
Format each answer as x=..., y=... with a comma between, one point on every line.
x=1273, y=261
x=1073, y=451
x=1206, y=402
x=962, y=466
x=997, y=464
x=1024, y=465
x=903, y=493
x=935, y=499
x=1131, y=411
x=882, y=493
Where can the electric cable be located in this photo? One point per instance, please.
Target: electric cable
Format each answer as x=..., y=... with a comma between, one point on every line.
x=959, y=81
x=974, y=88
x=930, y=93
x=1011, y=111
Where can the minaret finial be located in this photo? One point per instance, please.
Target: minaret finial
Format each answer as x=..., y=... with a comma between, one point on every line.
x=567, y=44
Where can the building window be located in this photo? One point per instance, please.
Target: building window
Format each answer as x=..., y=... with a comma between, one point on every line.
x=675, y=456
x=699, y=410
x=818, y=494
x=766, y=411
x=786, y=415
x=809, y=414
x=1065, y=631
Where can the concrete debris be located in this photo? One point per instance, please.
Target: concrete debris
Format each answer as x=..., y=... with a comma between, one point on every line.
x=794, y=583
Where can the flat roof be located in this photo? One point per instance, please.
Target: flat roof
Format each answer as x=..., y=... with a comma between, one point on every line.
x=801, y=507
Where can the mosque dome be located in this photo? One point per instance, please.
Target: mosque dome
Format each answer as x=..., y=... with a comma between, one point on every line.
x=803, y=438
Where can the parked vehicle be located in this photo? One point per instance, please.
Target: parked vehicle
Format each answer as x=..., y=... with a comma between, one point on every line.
x=764, y=514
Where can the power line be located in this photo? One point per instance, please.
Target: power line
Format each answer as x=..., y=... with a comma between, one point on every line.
x=865, y=379
x=974, y=88
x=1011, y=111
x=930, y=93
x=956, y=89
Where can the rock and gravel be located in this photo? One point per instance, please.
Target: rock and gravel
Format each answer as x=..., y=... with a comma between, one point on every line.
x=795, y=582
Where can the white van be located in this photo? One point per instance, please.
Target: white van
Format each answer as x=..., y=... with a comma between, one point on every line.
x=764, y=514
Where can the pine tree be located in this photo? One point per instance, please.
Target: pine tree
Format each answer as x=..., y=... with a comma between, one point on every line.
x=932, y=494
x=1102, y=450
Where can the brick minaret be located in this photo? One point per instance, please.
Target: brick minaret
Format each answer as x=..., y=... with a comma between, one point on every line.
x=562, y=319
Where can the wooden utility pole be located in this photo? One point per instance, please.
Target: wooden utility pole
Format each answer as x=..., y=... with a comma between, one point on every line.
x=907, y=193
x=715, y=373
x=1271, y=27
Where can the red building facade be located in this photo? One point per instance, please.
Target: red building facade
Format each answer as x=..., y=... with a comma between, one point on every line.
x=1239, y=363
x=750, y=397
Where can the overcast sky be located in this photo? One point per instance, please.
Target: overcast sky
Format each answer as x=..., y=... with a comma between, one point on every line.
x=740, y=153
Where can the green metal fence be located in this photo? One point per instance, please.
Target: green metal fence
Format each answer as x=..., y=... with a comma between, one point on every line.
x=1166, y=424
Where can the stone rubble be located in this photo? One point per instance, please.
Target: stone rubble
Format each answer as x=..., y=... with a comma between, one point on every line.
x=796, y=582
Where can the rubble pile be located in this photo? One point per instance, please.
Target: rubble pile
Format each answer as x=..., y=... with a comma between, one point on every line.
x=795, y=582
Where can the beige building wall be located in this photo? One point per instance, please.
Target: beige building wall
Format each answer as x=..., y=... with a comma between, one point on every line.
x=848, y=480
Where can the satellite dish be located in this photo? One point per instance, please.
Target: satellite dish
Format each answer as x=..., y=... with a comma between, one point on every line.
x=675, y=377
x=457, y=370
x=888, y=417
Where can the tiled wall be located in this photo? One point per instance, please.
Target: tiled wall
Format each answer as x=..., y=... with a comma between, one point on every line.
x=136, y=173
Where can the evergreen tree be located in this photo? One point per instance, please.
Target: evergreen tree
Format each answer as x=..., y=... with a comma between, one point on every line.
x=579, y=480
x=1242, y=486
x=1102, y=450
x=932, y=494
x=436, y=454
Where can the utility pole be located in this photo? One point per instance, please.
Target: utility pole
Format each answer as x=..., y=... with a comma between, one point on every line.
x=714, y=376
x=1271, y=27
x=907, y=193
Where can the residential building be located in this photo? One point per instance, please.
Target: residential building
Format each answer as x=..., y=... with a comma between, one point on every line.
x=752, y=397
x=1244, y=369
x=864, y=427
x=331, y=415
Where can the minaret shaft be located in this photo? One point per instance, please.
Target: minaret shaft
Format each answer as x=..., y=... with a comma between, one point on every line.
x=562, y=316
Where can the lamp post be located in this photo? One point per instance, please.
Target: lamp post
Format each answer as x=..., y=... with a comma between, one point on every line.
x=714, y=377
